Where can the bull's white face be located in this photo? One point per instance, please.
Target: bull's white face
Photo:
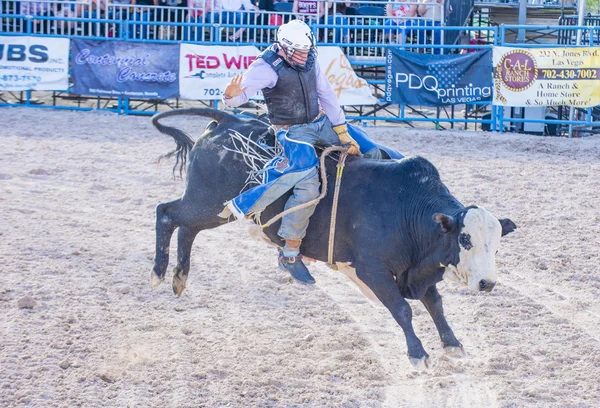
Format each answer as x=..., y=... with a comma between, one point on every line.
x=478, y=242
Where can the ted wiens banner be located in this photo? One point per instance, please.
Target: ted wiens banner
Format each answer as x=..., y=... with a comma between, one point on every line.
x=126, y=69
x=349, y=88
x=547, y=76
x=438, y=80
x=34, y=63
x=205, y=70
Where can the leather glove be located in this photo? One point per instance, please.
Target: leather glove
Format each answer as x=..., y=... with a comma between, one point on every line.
x=345, y=138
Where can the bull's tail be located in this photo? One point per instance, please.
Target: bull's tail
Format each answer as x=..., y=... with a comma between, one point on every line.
x=182, y=139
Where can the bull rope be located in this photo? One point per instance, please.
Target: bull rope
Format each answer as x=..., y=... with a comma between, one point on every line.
x=338, y=183
x=254, y=154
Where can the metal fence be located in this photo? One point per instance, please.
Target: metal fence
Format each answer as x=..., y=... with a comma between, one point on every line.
x=362, y=32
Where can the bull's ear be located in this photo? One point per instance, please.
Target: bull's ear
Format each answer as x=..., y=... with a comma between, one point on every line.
x=507, y=226
x=446, y=221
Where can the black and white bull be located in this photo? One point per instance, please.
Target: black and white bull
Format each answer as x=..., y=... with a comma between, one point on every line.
x=398, y=226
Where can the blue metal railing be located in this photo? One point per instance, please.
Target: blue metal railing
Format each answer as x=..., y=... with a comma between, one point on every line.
x=366, y=53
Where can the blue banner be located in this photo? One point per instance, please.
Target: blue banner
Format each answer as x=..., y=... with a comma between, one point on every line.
x=127, y=69
x=438, y=80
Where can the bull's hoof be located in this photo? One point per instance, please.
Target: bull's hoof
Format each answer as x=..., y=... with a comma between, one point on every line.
x=456, y=352
x=179, y=280
x=420, y=364
x=155, y=280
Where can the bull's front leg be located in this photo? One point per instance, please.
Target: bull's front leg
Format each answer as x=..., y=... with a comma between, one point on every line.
x=381, y=281
x=433, y=303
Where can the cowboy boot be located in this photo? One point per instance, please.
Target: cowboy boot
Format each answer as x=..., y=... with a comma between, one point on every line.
x=290, y=260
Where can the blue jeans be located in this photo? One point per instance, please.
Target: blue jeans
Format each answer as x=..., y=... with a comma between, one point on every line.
x=436, y=35
x=294, y=225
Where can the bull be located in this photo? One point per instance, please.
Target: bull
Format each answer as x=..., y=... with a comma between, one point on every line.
x=400, y=231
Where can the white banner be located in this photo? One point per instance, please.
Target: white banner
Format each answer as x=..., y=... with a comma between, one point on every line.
x=34, y=63
x=205, y=70
x=350, y=89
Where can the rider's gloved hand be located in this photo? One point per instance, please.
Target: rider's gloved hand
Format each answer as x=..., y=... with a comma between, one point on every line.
x=345, y=138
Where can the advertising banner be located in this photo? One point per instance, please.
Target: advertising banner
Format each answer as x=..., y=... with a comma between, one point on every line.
x=547, y=76
x=438, y=80
x=34, y=63
x=205, y=70
x=123, y=68
x=349, y=88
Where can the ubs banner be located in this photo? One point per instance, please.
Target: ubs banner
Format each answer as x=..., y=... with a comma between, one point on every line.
x=122, y=68
x=34, y=63
x=547, y=76
x=438, y=80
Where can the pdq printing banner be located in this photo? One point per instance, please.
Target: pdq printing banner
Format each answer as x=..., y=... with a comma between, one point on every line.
x=437, y=80
x=349, y=88
x=34, y=63
x=127, y=69
x=547, y=76
x=205, y=70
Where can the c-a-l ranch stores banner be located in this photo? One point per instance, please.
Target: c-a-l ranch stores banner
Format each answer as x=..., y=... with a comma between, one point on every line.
x=547, y=76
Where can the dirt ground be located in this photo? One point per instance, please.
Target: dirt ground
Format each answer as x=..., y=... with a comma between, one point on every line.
x=80, y=325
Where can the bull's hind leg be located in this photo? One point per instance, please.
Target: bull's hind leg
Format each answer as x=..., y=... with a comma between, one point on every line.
x=185, y=239
x=433, y=303
x=191, y=214
x=164, y=230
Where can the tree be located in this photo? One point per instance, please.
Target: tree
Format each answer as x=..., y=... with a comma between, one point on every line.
x=592, y=6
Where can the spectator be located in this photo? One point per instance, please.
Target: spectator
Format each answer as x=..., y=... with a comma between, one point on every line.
x=173, y=12
x=432, y=13
x=336, y=16
x=401, y=15
x=94, y=9
x=65, y=10
x=474, y=38
x=37, y=8
x=309, y=10
x=118, y=10
x=197, y=11
x=231, y=13
x=266, y=5
x=144, y=14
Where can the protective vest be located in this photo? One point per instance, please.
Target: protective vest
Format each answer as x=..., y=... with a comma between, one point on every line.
x=293, y=100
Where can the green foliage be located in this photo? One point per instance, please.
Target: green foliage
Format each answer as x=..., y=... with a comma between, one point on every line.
x=592, y=6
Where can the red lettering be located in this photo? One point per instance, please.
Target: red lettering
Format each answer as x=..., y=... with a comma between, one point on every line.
x=239, y=62
x=232, y=61
x=212, y=62
x=202, y=62
x=190, y=58
x=249, y=60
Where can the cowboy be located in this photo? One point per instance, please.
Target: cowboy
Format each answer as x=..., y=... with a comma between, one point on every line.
x=295, y=90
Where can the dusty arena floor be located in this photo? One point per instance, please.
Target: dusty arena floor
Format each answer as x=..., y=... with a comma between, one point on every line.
x=80, y=325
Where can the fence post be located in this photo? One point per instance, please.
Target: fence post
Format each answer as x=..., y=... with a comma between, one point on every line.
x=124, y=31
x=28, y=24
x=581, y=9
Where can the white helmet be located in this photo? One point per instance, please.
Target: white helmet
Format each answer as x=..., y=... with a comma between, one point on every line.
x=297, y=36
